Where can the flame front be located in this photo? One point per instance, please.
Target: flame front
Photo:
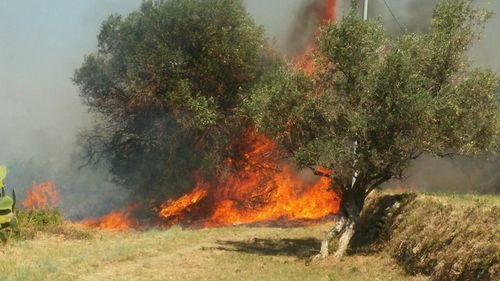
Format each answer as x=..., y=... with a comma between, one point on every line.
x=259, y=187
x=173, y=210
x=280, y=200
x=256, y=189
x=116, y=220
x=41, y=195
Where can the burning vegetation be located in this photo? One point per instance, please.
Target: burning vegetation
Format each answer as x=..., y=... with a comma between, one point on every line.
x=254, y=185
x=41, y=196
x=115, y=220
x=322, y=13
x=258, y=188
x=180, y=99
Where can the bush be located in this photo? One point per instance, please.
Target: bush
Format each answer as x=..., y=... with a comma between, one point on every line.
x=47, y=220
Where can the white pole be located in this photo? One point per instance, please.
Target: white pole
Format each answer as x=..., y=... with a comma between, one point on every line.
x=365, y=10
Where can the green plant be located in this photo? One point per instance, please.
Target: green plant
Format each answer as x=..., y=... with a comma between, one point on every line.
x=48, y=220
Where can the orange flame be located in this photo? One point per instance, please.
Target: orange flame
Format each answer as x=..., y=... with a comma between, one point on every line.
x=41, y=195
x=257, y=188
x=305, y=60
x=116, y=220
x=173, y=210
x=330, y=12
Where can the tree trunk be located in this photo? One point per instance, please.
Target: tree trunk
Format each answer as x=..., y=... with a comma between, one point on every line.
x=338, y=239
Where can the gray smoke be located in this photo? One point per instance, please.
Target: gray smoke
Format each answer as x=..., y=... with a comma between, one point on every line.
x=41, y=44
x=415, y=16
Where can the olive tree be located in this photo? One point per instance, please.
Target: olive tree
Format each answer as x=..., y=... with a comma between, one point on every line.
x=375, y=103
x=164, y=87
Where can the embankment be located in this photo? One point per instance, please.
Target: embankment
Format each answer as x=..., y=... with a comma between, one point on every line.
x=447, y=237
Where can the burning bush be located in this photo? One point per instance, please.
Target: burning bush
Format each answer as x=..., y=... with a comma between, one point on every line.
x=256, y=188
x=165, y=87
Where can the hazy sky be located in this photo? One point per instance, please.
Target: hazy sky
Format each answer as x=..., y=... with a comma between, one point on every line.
x=42, y=42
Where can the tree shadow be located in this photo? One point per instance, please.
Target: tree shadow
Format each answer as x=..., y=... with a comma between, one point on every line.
x=302, y=249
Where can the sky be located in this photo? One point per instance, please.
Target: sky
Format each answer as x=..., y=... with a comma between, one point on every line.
x=42, y=42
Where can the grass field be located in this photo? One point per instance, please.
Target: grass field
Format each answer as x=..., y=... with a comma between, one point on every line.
x=233, y=253
x=448, y=237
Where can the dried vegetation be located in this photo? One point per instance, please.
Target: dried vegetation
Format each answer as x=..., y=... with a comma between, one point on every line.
x=445, y=237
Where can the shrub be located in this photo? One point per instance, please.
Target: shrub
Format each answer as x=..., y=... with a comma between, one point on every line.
x=47, y=220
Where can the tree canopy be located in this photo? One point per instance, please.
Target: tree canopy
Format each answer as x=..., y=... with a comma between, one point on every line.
x=165, y=85
x=374, y=103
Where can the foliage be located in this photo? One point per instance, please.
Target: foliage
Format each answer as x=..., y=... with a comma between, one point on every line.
x=374, y=103
x=165, y=85
x=47, y=220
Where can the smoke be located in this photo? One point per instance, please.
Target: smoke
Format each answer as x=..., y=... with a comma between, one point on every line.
x=278, y=19
x=305, y=26
x=461, y=175
x=41, y=44
x=415, y=16
x=290, y=24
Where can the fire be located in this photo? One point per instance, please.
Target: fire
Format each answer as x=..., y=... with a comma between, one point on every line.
x=280, y=200
x=257, y=188
x=173, y=210
x=116, y=220
x=328, y=14
x=41, y=195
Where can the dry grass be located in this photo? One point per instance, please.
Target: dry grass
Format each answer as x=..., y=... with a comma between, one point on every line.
x=448, y=237
x=234, y=253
